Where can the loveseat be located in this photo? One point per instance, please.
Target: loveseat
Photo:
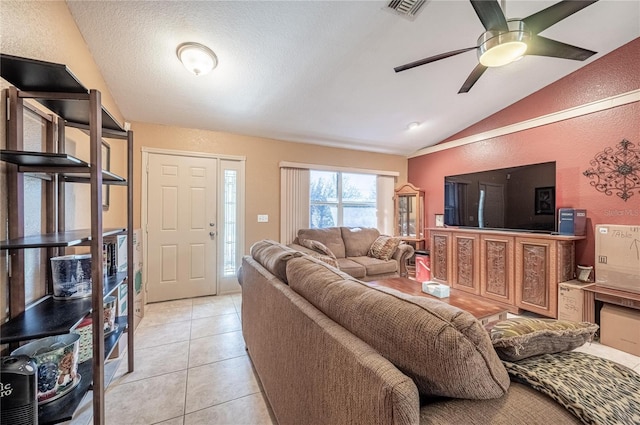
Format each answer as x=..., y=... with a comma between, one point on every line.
x=360, y=252
x=330, y=350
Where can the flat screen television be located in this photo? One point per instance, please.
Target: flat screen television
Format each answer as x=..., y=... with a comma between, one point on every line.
x=515, y=198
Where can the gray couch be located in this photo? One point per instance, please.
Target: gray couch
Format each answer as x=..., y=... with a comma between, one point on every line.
x=351, y=246
x=330, y=350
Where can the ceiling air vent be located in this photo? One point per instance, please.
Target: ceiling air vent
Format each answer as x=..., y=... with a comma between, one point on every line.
x=406, y=8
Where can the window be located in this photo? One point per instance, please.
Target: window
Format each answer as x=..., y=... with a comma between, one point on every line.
x=230, y=231
x=342, y=199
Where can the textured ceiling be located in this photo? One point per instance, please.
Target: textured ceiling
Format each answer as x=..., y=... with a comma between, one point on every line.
x=322, y=72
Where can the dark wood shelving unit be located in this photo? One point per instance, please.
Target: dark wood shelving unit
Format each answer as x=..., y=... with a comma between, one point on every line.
x=69, y=167
x=55, y=87
x=62, y=410
x=50, y=316
x=56, y=240
x=42, y=80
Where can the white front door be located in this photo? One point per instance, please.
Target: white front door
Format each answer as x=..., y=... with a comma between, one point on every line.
x=181, y=220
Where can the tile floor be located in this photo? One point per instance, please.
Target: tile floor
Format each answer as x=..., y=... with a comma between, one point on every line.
x=191, y=368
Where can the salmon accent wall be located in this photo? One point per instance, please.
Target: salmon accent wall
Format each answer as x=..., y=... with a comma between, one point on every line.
x=614, y=74
x=572, y=143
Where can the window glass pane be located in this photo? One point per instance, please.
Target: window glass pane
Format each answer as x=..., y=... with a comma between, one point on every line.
x=323, y=186
x=359, y=216
x=323, y=216
x=358, y=187
x=230, y=222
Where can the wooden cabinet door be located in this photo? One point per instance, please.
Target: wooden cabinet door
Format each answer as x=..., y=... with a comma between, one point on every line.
x=497, y=268
x=466, y=262
x=536, y=274
x=441, y=257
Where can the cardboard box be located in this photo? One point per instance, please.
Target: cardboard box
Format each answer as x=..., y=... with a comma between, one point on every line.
x=120, y=347
x=620, y=328
x=121, y=253
x=571, y=301
x=121, y=308
x=138, y=283
x=618, y=257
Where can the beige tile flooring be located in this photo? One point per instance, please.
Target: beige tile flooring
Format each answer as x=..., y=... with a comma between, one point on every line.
x=191, y=368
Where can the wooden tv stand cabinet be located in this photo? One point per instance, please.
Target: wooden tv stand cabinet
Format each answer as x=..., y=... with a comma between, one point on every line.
x=517, y=270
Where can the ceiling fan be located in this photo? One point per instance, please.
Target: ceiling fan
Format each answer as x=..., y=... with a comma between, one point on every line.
x=505, y=41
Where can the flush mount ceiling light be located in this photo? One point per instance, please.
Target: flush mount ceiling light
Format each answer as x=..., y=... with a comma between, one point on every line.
x=501, y=48
x=413, y=125
x=197, y=58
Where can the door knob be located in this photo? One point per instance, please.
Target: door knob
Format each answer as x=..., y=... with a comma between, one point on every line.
x=212, y=234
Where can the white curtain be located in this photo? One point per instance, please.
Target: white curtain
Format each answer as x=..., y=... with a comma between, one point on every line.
x=294, y=202
x=384, y=191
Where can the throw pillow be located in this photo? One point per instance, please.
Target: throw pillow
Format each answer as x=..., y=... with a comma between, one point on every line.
x=317, y=246
x=384, y=247
x=332, y=261
x=596, y=390
x=517, y=339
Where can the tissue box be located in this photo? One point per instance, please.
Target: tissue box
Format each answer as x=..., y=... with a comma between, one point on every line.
x=435, y=289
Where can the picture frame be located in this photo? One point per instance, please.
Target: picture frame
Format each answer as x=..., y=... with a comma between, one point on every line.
x=106, y=166
x=439, y=220
x=544, y=202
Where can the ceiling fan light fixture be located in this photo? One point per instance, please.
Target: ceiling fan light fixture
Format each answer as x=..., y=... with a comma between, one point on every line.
x=499, y=49
x=197, y=58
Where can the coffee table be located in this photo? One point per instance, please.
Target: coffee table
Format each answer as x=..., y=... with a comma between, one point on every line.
x=481, y=310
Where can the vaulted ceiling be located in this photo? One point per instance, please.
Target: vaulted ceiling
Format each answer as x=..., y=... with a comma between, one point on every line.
x=321, y=71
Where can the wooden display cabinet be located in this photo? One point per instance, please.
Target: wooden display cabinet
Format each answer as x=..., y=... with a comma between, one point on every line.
x=517, y=270
x=409, y=215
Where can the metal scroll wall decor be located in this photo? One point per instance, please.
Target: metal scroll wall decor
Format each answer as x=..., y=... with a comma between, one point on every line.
x=616, y=170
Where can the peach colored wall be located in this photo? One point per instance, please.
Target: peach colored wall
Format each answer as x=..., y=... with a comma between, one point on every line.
x=571, y=143
x=262, y=166
x=45, y=30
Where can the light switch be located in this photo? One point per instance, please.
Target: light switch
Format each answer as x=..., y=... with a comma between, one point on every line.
x=263, y=218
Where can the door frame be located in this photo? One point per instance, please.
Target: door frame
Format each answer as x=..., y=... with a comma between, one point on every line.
x=146, y=151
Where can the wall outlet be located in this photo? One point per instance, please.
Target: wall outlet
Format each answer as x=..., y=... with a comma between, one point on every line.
x=263, y=218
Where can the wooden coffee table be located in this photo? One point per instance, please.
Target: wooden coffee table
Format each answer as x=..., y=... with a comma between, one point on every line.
x=482, y=310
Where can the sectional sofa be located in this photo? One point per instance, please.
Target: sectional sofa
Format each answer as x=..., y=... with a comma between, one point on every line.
x=330, y=350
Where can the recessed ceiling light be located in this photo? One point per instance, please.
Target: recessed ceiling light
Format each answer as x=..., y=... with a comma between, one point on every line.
x=413, y=125
x=197, y=58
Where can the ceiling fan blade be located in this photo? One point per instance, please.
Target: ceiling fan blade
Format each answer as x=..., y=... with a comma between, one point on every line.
x=432, y=59
x=472, y=78
x=542, y=46
x=490, y=14
x=542, y=20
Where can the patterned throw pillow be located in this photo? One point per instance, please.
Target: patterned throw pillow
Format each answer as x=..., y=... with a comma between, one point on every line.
x=317, y=246
x=517, y=339
x=332, y=261
x=596, y=390
x=384, y=247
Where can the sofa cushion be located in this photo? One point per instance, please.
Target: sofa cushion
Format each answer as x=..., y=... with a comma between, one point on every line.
x=317, y=246
x=358, y=240
x=445, y=350
x=354, y=269
x=517, y=339
x=384, y=247
x=373, y=266
x=273, y=256
x=331, y=237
